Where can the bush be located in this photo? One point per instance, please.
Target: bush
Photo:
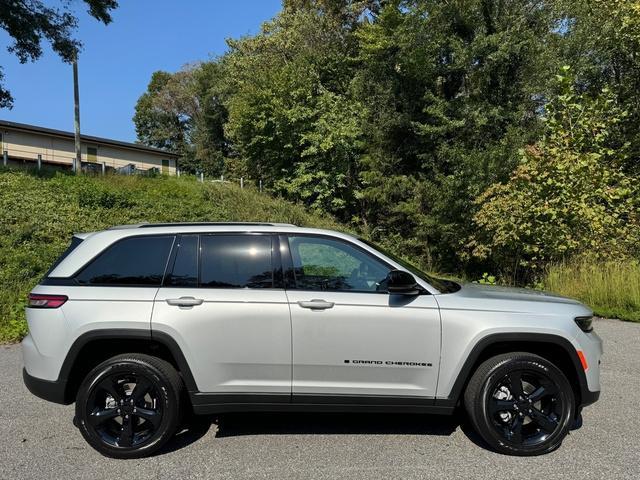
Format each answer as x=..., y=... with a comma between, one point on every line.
x=570, y=195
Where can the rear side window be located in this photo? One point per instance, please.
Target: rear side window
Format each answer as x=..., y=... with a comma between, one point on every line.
x=138, y=261
x=236, y=261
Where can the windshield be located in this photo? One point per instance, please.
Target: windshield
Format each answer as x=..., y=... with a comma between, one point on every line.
x=444, y=286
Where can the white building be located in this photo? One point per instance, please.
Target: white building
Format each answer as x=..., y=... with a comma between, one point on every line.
x=23, y=144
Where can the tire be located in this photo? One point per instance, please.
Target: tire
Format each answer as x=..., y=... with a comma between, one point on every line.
x=530, y=420
x=129, y=405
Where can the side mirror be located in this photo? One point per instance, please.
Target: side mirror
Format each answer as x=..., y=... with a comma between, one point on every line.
x=400, y=282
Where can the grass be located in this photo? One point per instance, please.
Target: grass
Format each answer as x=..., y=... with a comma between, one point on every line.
x=40, y=213
x=611, y=289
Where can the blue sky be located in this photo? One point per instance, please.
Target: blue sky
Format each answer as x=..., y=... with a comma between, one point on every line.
x=117, y=60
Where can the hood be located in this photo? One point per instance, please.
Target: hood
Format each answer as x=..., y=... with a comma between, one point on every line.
x=493, y=292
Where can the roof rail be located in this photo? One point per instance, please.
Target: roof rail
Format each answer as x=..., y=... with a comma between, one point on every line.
x=197, y=224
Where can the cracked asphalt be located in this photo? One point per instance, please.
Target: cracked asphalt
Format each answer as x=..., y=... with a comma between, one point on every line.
x=38, y=440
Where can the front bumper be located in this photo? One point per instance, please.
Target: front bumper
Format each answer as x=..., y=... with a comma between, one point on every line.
x=53, y=391
x=589, y=397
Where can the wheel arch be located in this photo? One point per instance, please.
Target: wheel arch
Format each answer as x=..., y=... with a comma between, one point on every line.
x=92, y=348
x=557, y=349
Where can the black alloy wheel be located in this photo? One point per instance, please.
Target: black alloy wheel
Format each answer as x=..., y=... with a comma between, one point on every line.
x=125, y=410
x=128, y=406
x=525, y=408
x=520, y=403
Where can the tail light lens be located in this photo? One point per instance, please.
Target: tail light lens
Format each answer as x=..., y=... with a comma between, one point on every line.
x=46, y=301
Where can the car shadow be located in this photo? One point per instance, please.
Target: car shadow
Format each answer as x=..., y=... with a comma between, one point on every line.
x=245, y=424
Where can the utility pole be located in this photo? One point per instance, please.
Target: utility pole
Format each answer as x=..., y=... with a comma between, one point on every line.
x=77, y=162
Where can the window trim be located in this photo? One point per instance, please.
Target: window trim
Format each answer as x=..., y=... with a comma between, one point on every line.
x=74, y=277
x=290, y=281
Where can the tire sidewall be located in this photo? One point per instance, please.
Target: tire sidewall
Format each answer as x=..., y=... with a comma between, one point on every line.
x=565, y=393
x=166, y=396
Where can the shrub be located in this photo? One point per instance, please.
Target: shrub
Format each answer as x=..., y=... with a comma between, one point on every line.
x=570, y=195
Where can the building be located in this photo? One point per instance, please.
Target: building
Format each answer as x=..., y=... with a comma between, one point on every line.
x=27, y=144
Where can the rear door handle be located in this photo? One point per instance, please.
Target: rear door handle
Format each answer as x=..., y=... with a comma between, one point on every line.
x=316, y=304
x=185, y=301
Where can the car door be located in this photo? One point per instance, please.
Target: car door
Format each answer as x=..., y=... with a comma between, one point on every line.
x=350, y=337
x=221, y=304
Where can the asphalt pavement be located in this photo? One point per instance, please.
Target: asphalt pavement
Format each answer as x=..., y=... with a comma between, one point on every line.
x=38, y=440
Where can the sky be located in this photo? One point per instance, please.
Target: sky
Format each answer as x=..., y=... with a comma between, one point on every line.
x=117, y=60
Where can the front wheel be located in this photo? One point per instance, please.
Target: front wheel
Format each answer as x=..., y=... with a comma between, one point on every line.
x=520, y=404
x=129, y=405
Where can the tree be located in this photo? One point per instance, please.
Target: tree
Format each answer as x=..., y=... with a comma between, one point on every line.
x=601, y=44
x=569, y=195
x=292, y=117
x=183, y=112
x=451, y=91
x=28, y=22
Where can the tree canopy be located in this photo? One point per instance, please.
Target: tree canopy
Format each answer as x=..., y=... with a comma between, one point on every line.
x=477, y=135
x=29, y=22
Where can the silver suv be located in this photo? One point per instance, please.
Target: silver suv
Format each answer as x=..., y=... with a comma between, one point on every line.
x=141, y=323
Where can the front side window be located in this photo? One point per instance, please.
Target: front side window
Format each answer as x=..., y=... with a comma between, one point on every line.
x=326, y=264
x=137, y=261
x=236, y=261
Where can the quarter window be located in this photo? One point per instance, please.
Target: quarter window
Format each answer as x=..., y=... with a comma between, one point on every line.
x=236, y=261
x=138, y=261
x=325, y=264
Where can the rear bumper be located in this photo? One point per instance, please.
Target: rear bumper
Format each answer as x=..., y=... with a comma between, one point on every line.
x=53, y=391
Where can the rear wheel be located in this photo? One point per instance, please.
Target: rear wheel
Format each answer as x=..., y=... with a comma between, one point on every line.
x=520, y=403
x=129, y=405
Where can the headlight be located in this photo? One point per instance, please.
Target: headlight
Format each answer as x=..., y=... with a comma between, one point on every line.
x=584, y=323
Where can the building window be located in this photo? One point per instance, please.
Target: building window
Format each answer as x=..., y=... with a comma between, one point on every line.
x=92, y=154
x=165, y=165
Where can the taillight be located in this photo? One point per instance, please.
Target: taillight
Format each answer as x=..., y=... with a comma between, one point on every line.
x=46, y=301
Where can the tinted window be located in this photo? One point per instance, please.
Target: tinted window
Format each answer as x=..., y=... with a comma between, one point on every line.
x=132, y=261
x=326, y=264
x=185, y=266
x=236, y=261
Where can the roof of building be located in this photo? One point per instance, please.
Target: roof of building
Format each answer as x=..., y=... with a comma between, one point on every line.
x=85, y=138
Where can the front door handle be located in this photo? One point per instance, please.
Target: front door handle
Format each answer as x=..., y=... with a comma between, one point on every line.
x=185, y=301
x=316, y=304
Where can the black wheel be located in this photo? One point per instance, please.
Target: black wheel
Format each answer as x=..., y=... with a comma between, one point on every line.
x=129, y=405
x=520, y=404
